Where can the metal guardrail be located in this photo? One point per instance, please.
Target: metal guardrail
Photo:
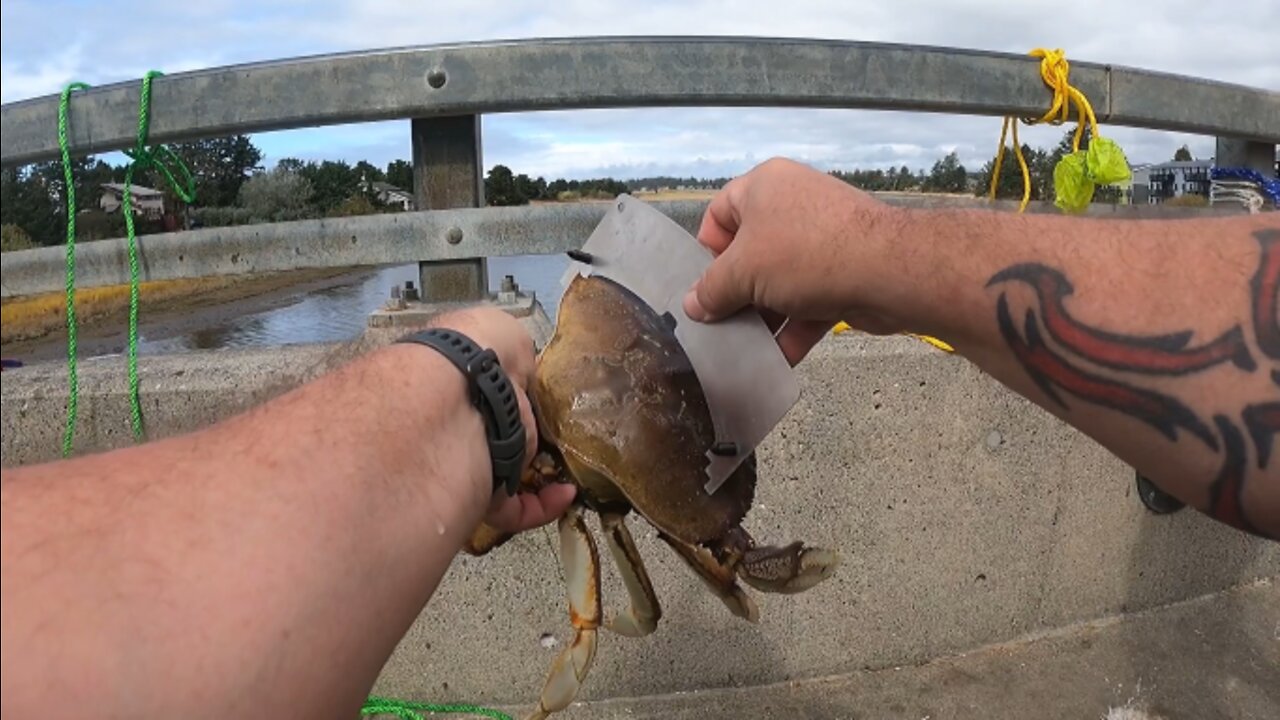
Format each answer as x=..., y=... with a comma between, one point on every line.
x=443, y=89
x=433, y=236
x=365, y=240
x=575, y=73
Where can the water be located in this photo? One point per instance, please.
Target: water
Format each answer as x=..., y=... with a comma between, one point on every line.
x=340, y=313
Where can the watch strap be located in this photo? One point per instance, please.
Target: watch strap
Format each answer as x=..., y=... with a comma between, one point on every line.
x=491, y=392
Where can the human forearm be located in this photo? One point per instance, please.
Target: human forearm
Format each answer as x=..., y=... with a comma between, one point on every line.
x=277, y=557
x=1153, y=337
x=1157, y=338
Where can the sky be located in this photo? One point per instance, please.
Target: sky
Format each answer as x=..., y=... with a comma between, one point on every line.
x=46, y=43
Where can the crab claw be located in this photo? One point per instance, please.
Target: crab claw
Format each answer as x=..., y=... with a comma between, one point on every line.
x=791, y=569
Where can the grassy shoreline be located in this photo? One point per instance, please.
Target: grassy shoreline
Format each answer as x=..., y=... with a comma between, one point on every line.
x=36, y=316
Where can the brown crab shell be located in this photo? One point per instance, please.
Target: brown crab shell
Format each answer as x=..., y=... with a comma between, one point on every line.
x=616, y=394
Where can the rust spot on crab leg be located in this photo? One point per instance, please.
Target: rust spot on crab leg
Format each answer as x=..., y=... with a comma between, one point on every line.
x=581, y=563
x=642, y=617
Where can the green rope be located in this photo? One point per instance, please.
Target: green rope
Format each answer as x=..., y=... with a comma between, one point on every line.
x=406, y=710
x=143, y=157
x=68, y=435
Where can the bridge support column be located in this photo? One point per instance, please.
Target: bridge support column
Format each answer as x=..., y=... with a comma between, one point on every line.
x=448, y=173
x=1260, y=156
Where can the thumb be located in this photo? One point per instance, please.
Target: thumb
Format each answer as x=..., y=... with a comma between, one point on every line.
x=722, y=290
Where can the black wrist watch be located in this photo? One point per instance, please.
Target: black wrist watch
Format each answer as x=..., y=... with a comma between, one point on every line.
x=492, y=394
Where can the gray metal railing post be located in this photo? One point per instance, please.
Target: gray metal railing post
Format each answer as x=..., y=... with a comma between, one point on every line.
x=1260, y=156
x=448, y=173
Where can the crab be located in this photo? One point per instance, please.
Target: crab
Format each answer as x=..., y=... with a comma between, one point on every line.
x=621, y=414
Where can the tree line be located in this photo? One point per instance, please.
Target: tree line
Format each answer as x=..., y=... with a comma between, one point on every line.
x=232, y=188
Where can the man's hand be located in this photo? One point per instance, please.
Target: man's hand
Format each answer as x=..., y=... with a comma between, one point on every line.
x=796, y=244
x=493, y=328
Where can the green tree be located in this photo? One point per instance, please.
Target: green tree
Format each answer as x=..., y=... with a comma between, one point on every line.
x=1010, y=184
x=500, y=187
x=26, y=201
x=276, y=195
x=557, y=186
x=293, y=165
x=355, y=204
x=13, y=237
x=1068, y=136
x=219, y=165
x=527, y=188
x=400, y=174
x=947, y=175
x=89, y=183
x=88, y=174
x=369, y=172
x=1183, y=154
x=332, y=183
x=871, y=180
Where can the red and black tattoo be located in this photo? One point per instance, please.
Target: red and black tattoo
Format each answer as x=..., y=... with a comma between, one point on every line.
x=1265, y=288
x=1047, y=368
x=1152, y=354
x=1263, y=423
x=1051, y=367
x=1226, y=494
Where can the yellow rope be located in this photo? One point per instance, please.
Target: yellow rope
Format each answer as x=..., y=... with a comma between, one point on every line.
x=1104, y=163
x=1055, y=71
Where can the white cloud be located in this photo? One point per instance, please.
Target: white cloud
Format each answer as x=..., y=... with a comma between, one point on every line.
x=20, y=80
x=49, y=42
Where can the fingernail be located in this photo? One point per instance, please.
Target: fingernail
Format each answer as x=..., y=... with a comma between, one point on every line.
x=693, y=308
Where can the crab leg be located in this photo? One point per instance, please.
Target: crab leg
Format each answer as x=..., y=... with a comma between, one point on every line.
x=581, y=564
x=718, y=576
x=642, y=617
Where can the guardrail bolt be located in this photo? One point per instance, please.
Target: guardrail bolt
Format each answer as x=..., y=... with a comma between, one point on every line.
x=436, y=79
x=397, y=299
x=453, y=235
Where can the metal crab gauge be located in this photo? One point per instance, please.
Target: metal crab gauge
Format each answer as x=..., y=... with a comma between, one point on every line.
x=749, y=384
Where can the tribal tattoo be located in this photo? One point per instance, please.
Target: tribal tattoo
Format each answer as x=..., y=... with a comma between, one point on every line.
x=1263, y=423
x=1265, y=288
x=1161, y=412
x=1155, y=355
x=1226, y=501
x=1050, y=366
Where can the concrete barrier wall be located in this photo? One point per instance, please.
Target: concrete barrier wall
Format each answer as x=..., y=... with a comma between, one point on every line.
x=965, y=515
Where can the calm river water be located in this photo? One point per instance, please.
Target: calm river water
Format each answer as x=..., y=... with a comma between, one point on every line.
x=340, y=313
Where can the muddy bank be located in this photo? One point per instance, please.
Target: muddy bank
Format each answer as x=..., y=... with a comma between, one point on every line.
x=106, y=332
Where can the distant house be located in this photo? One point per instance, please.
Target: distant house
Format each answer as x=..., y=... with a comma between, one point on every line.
x=1178, y=177
x=146, y=201
x=389, y=194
